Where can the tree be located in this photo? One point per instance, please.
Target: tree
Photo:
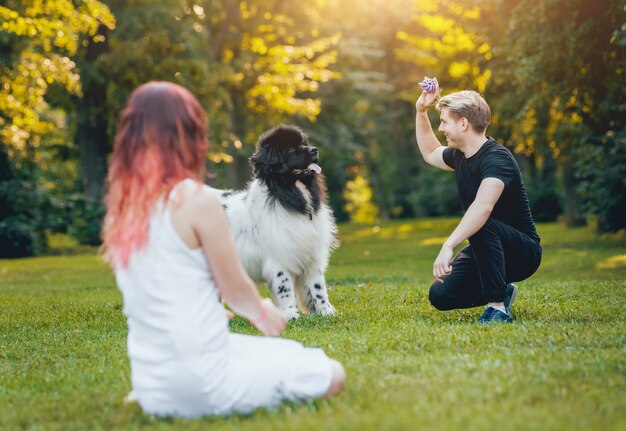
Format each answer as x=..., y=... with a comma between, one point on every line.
x=559, y=66
x=37, y=40
x=363, y=120
x=246, y=62
x=270, y=61
x=442, y=39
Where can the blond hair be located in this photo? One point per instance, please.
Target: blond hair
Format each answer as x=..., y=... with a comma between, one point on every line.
x=468, y=104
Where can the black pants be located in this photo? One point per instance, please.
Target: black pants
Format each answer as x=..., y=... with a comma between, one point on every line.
x=498, y=254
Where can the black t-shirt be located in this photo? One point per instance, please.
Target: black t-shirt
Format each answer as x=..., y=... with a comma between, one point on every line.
x=494, y=161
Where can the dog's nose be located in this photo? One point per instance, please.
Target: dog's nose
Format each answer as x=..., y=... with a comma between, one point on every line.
x=313, y=151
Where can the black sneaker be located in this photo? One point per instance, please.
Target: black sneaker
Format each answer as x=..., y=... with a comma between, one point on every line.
x=509, y=297
x=493, y=315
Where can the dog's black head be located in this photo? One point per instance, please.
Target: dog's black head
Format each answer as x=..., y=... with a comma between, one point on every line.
x=284, y=151
x=284, y=156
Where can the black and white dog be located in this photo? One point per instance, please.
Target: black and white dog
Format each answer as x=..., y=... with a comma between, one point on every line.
x=282, y=226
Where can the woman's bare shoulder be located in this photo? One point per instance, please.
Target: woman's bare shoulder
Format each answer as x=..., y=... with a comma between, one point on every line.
x=201, y=201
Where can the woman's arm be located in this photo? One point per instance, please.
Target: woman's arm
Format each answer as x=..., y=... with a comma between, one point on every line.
x=207, y=227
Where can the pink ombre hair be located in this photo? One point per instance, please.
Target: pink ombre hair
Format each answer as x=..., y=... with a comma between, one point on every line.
x=161, y=140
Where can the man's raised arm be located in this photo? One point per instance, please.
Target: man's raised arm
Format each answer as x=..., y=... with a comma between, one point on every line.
x=429, y=145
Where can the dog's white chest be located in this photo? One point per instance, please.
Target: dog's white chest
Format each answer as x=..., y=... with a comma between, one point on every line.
x=306, y=194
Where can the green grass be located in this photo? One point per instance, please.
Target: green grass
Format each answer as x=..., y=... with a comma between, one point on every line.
x=561, y=366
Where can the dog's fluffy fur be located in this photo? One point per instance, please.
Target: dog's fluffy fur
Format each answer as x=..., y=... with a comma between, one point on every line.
x=282, y=226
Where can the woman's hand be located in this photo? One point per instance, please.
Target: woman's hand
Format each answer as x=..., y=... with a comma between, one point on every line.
x=271, y=321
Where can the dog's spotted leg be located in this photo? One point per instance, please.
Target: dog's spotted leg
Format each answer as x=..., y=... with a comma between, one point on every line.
x=315, y=294
x=283, y=289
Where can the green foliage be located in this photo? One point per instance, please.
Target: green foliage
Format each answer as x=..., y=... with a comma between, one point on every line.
x=39, y=39
x=601, y=167
x=434, y=193
x=358, y=196
x=21, y=220
x=566, y=63
x=37, y=42
x=545, y=204
x=559, y=366
x=444, y=41
x=220, y=49
x=85, y=220
x=153, y=40
x=363, y=122
x=347, y=71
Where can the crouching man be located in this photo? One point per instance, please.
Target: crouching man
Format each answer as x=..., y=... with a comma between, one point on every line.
x=503, y=242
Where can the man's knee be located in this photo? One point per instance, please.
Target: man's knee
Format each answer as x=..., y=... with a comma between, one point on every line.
x=438, y=296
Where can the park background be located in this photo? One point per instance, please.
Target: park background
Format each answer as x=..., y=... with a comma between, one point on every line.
x=348, y=73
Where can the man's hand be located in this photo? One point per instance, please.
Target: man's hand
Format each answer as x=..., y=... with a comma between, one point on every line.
x=427, y=99
x=441, y=267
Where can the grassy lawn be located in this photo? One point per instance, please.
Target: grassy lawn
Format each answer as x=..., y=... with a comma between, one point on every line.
x=561, y=366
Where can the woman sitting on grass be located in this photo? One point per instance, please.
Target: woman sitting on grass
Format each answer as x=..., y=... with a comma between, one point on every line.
x=166, y=236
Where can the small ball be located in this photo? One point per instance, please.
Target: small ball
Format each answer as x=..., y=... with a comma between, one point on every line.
x=429, y=85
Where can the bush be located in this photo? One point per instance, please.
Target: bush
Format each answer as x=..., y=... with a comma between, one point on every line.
x=545, y=203
x=359, y=203
x=20, y=239
x=86, y=220
x=22, y=231
x=435, y=194
x=602, y=173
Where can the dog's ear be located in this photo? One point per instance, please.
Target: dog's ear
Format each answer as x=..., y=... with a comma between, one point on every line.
x=266, y=162
x=279, y=168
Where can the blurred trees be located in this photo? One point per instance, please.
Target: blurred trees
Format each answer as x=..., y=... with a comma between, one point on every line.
x=37, y=42
x=347, y=71
x=560, y=95
x=270, y=58
x=251, y=64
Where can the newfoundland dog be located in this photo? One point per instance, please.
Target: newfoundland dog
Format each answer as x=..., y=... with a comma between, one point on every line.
x=282, y=226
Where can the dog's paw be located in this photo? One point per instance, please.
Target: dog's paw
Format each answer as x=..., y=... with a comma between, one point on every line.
x=291, y=313
x=325, y=309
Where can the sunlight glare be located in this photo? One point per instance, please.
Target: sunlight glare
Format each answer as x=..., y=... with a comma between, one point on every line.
x=613, y=262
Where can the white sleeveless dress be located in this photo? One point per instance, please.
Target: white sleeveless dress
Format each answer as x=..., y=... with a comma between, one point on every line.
x=183, y=359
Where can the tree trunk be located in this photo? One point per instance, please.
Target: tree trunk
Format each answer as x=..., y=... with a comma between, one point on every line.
x=381, y=196
x=237, y=172
x=91, y=131
x=572, y=204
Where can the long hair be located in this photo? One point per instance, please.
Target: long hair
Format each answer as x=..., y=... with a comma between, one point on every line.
x=161, y=140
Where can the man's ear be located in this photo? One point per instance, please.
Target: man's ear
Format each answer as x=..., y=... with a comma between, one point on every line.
x=464, y=124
